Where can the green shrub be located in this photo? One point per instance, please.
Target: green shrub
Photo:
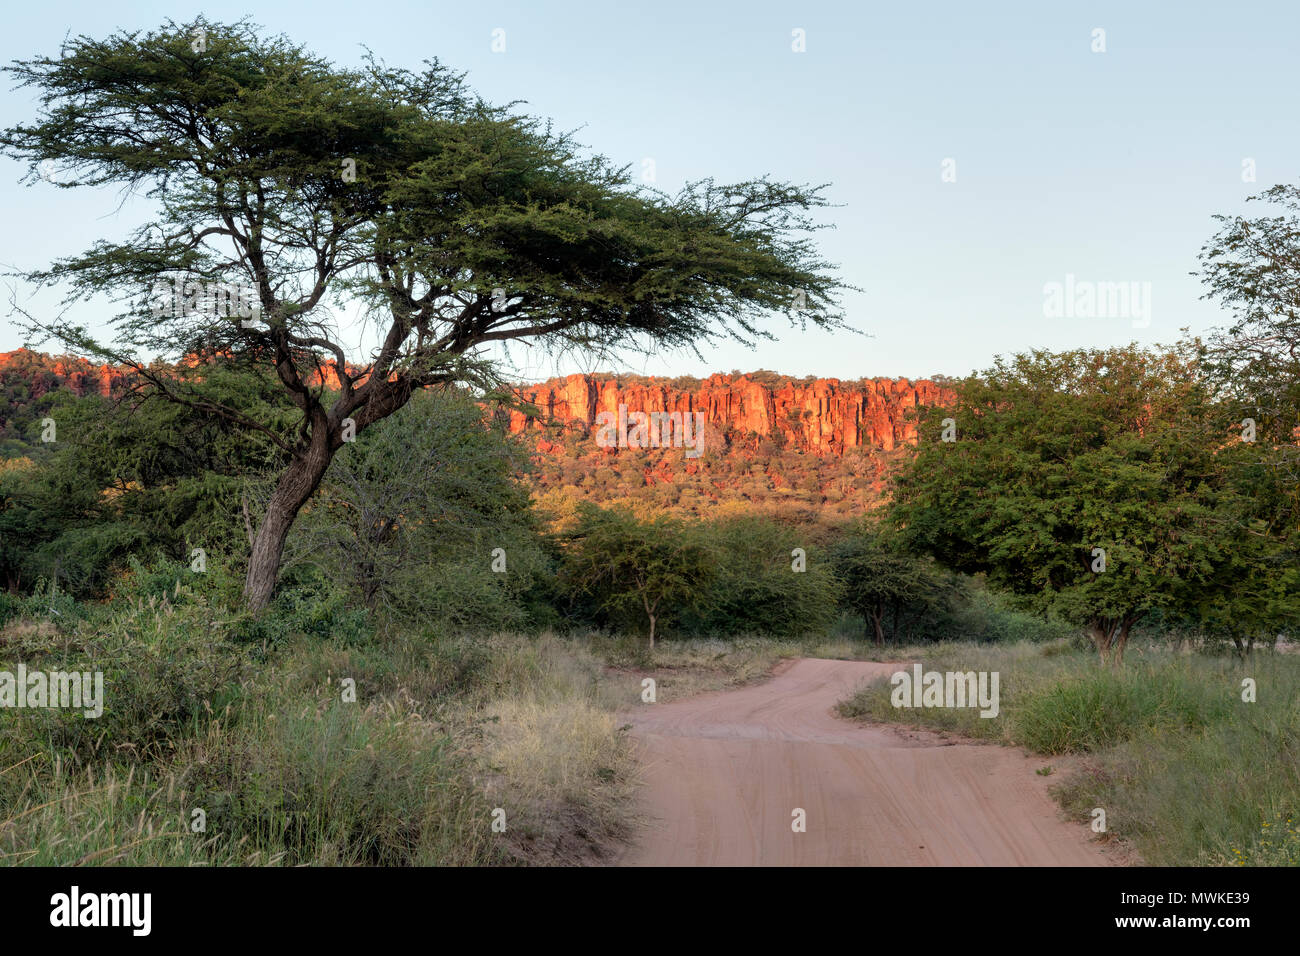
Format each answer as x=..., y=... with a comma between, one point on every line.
x=410, y=519
x=1104, y=708
x=756, y=590
x=11, y=605
x=986, y=617
x=164, y=667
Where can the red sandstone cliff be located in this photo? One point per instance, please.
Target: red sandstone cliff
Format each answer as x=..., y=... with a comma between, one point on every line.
x=44, y=373
x=825, y=416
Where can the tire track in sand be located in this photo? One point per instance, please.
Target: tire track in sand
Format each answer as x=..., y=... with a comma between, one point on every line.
x=723, y=772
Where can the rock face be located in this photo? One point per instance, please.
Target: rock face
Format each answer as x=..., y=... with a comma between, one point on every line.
x=44, y=373
x=822, y=416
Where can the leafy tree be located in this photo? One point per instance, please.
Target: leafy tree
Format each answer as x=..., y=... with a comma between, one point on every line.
x=411, y=517
x=1252, y=266
x=454, y=224
x=756, y=589
x=1252, y=592
x=882, y=580
x=21, y=525
x=1096, y=484
x=626, y=566
x=133, y=476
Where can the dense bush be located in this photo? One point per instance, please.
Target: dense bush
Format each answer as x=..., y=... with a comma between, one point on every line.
x=164, y=668
x=756, y=588
x=984, y=616
x=147, y=481
x=423, y=519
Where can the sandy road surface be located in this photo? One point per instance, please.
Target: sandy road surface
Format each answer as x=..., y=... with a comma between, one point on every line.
x=725, y=770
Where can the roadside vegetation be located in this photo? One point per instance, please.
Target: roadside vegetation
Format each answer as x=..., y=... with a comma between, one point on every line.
x=329, y=742
x=1188, y=773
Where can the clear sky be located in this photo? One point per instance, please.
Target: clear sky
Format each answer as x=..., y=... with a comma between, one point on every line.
x=1104, y=166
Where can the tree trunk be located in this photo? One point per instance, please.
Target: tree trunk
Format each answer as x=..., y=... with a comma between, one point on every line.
x=877, y=613
x=652, y=632
x=1122, y=641
x=1101, y=631
x=295, y=486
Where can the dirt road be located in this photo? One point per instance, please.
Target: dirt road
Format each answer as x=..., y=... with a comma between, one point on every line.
x=725, y=771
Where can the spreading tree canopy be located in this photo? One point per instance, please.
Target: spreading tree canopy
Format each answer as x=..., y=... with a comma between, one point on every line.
x=628, y=567
x=1252, y=267
x=1101, y=485
x=286, y=190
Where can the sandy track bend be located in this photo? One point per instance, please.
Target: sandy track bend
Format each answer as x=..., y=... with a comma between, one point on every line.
x=724, y=771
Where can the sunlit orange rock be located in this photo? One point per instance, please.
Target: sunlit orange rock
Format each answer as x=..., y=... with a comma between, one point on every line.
x=824, y=416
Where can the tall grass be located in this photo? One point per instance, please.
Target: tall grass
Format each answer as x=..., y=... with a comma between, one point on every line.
x=1188, y=772
x=210, y=752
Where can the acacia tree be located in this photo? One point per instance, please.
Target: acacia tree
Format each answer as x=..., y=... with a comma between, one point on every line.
x=1252, y=267
x=1097, y=484
x=629, y=567
x=450, y=223
x=880, y=575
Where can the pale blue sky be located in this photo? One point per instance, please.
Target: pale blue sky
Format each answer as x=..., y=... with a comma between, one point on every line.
x=1106, y=166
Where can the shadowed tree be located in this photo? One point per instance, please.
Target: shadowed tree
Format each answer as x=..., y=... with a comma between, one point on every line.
x=288, y=190
x=880, y=576
x=1252, y=267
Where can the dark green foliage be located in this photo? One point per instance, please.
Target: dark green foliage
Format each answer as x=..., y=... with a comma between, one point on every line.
x=988, y=617
x=623, y=569
x=145, y=479
x=735, y=576
x=1059, y=458
x=892, y=589
x=412, y=518
x=756, y=589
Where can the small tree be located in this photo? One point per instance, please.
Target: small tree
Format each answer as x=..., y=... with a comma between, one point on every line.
x=757, y=589
x=879, y=575
x=626, y=566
